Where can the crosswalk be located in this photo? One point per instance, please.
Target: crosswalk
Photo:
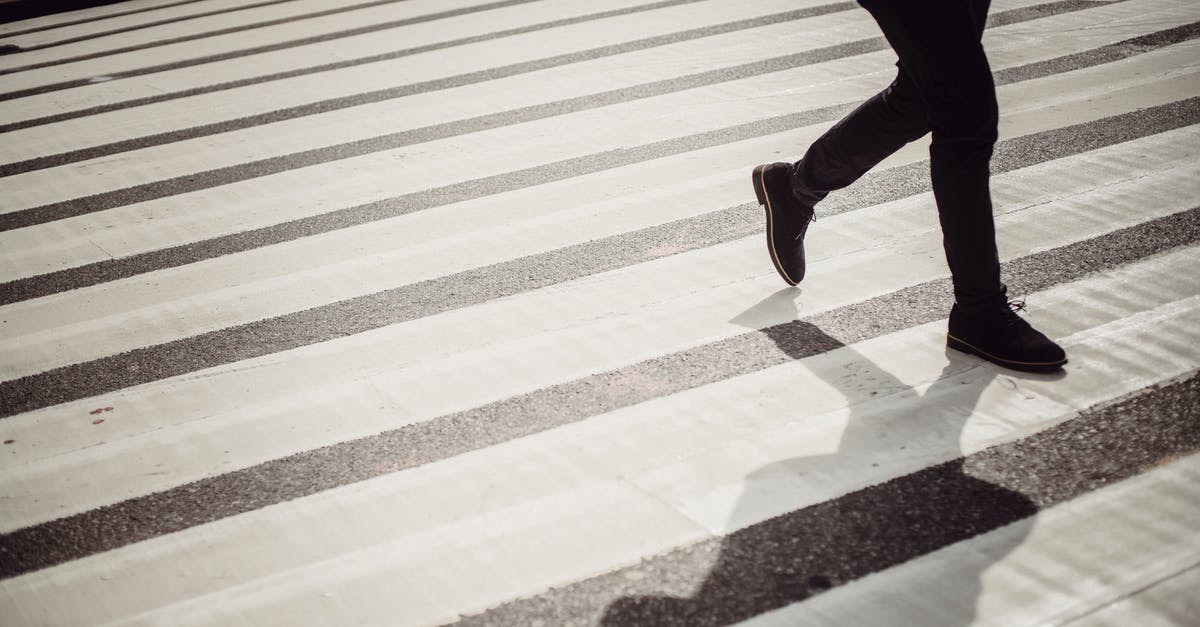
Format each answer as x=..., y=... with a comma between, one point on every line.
x=409, y=312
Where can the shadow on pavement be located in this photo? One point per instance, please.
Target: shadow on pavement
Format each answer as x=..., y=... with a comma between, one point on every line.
x=14, y=10
x=791, y=557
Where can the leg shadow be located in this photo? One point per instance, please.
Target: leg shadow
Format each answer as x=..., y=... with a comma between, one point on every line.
x=793, y=556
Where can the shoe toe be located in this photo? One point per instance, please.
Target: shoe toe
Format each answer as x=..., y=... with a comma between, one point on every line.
x=795, y=262
x=1047, y=352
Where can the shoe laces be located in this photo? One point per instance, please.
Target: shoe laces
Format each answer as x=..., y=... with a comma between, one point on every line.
x=1014, y=308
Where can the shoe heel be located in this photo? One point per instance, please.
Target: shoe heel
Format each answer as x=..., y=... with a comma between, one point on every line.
x=959, y=345
x=759, y=189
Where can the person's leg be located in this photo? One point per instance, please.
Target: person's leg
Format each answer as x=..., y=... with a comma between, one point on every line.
x=869, y=134
x=788, y=193
x=872, y=132
x=938, y=42
x=945, y=78
x=939, y=45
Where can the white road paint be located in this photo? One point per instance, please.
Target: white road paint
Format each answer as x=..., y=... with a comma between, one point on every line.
x=383, y=263
x=359, y=540
x=1054, y=569
x=102, y=319
x=378, y=255
x=88, y=323
x=890, y=423
x=61, y=429
x=1166, y=603
x=720, y=280
x=622, y=125
x=782, y=89
x=414, y=111
x=189, y=217
x=430, y=65
x=196, y=25
x=1007, y=46
x=106, y=15
x=187, y=50
x=467, y=532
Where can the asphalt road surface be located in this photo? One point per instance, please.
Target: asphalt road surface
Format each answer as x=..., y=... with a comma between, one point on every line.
x=410, y=312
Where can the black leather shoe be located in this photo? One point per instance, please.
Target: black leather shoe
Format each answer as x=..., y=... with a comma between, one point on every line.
x=787, y=219
x=1002, y=337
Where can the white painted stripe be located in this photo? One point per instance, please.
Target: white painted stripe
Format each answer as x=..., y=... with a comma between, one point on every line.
x=889, y=423
x=56, y=430
x=599, y=129
x=126, y=231
x=456, y=536
x=51, y=314
x=1068, y=561
x=437, y=64
x=1008, y=46
x=577, y=79
x=526, y=89
x=99, y=15
x=142, y=36
x=448, y=362
x=34, y=353
x=186, y=50
x=371, y=257
x=44, y=239
x=1167, y=603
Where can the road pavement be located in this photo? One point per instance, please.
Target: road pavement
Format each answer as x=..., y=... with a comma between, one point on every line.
x=411, y=312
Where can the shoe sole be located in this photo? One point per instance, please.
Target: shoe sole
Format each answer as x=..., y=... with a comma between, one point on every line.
x=1024, y=366
x=760, y=190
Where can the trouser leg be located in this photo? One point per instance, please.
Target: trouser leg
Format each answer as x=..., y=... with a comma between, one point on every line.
x=938, y=42
x=944, y=78
x=877, y=128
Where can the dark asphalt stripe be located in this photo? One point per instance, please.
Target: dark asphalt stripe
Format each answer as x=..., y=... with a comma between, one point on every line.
x=90, y=274
x=1099, y=56
x=283, y=163
x=264, y=167
x=175, y=20
x=513, y=277
x=28, y=9
x=232, y=174
x=876, y=187
x=195, y=91
x=273, y=165
x=803, y=553
x=245, y=51
x=471, y=189
x=314, y=108
x=141, y=518
x=531, y=176
x=341, y=34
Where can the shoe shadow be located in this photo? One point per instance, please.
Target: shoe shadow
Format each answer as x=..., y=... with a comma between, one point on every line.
x=767, y=313
x=793, y=555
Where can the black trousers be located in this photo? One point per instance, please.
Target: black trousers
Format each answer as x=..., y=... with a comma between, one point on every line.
x=944, y=86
